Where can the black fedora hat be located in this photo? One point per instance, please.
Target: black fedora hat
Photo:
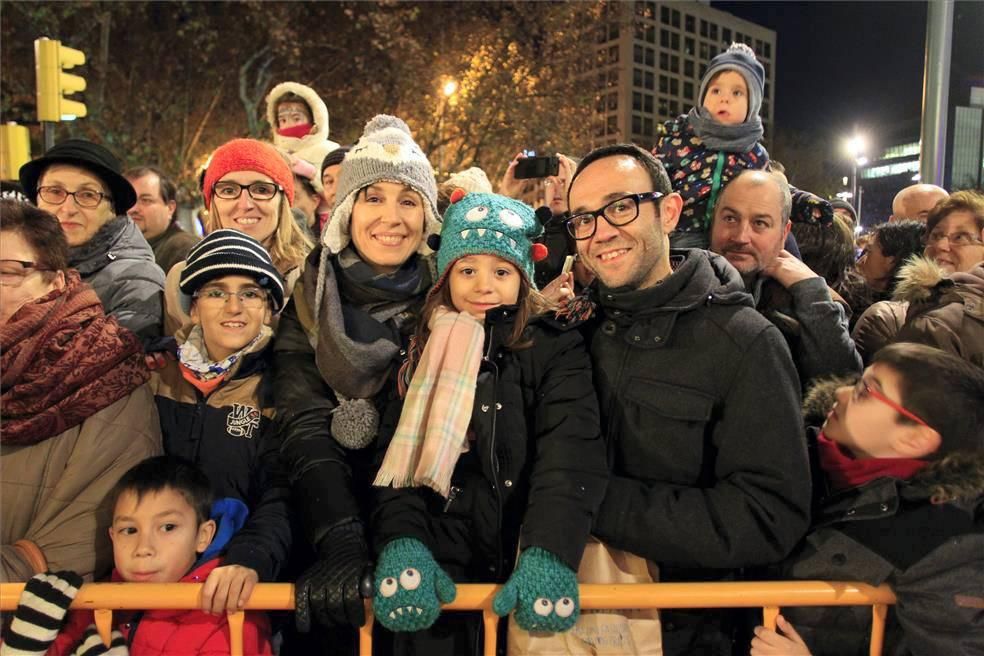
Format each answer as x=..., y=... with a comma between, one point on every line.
x=86, y=155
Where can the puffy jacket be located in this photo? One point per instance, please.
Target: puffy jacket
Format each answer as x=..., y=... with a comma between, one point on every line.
x=119, y=264
x=311, y=147
x=814, y=325
x=946, y=313
x=232, y=436
x=174, y=632
x=55, y=492
x=931, y=554
x=535, y=471
x=877, y=327
x=700, y=405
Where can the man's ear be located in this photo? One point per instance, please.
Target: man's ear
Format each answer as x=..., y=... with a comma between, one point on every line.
x=918, y=442
x=785, y=232
x=669, y=211
x=206, y=531
x=171, y=207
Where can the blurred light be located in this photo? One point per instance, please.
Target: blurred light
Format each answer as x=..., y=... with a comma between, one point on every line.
x=916, y=177
x=844, y=182
x=862, y=161
x=844, y=195
x=855, y=146
x=449, y=88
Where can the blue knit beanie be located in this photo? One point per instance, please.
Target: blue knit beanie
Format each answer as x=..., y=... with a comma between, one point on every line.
x=741, y=59
x=489, y=224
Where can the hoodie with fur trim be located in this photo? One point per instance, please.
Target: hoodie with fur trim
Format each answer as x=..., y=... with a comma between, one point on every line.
x=311, y=147
x=944, y=312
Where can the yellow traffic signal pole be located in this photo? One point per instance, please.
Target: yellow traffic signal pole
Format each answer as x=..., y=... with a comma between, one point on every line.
x=51, y=60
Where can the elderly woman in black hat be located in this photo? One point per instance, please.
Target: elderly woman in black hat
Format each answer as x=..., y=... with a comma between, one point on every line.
x=80, y=183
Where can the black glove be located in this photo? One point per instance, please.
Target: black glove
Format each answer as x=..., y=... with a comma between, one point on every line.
x=40, y=612
x=334, y=587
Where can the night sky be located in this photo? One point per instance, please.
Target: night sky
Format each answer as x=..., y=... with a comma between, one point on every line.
x=847, y=64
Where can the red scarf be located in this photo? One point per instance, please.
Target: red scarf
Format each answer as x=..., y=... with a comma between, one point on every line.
x=845, y=471
x=296, y=131
x=63, y=360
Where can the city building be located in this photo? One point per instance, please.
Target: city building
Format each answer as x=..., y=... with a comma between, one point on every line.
x=967, y=169
x=650, y=58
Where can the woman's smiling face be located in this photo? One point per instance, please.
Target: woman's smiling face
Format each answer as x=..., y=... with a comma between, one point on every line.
x=387, y=225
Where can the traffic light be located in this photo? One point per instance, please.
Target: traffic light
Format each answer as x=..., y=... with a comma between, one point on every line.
x=15, y=150
x=51, y=59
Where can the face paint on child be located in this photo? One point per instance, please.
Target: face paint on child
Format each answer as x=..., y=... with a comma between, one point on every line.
x=727, y=98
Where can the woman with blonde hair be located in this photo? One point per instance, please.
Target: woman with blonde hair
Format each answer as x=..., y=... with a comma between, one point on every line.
x=248, y=187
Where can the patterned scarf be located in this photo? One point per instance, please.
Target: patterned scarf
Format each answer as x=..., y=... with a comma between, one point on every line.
x=194, y=356
x=63, y=360
x=729, y=138
x=432, y=433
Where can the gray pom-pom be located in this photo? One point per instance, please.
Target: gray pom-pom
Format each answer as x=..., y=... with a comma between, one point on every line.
x=383, y=121
x=354, y=423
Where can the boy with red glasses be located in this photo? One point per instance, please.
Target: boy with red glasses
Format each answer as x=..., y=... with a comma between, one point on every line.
x=900, y=500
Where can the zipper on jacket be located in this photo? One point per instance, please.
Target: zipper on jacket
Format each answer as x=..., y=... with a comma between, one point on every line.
x=452, y=494
x=197, y=427
x=494, y=460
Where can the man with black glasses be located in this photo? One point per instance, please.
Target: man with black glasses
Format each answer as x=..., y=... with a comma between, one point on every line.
x=699, y=396
x=79, y=182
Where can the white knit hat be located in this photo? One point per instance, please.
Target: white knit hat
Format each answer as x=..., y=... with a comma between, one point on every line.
x=386, y=152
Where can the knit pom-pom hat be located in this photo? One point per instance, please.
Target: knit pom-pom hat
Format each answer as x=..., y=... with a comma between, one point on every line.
x=248, y=155
x=741, y=59
x=386, y=152
x=488, y=224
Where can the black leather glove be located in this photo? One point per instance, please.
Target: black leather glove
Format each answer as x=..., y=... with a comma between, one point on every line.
x=333, y=589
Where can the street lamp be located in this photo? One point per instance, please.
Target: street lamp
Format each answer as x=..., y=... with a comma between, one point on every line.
x=448, y=90
x=855, y=146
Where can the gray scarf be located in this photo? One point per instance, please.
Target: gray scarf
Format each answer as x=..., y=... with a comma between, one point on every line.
x=730, y=138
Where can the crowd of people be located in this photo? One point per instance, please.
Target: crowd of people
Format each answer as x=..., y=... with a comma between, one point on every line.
x=377, y=385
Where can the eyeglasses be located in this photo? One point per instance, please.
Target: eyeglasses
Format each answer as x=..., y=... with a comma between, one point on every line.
x=13, y=272
x=83, y=197
x=862, y=389
x=251, y=297
x=619, y=212
x=256, y=190
x=956, y=239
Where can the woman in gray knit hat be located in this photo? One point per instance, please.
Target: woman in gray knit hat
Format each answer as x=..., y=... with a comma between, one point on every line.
x=340, y=342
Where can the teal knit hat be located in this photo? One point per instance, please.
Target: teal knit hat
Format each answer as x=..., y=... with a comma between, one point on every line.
x=489, y=224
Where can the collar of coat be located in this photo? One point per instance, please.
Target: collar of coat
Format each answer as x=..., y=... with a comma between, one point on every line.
x=97, y=252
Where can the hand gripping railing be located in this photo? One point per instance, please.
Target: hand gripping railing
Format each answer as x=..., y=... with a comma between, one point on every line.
x=103, y=598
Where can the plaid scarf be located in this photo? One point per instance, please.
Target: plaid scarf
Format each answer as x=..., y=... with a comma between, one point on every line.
x=432, y=433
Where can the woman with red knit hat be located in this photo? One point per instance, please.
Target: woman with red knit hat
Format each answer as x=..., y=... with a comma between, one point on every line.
x=248, y=187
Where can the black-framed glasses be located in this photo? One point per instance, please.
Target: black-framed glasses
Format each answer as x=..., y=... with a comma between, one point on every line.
x=228, y=190
x=83, y=197
x=13, y=272
x=619, y=212
x=251, y=297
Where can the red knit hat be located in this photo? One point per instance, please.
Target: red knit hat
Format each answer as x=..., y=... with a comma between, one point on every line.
x=248, y=155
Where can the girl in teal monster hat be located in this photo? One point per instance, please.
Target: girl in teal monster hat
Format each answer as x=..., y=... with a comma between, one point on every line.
x=495, y=444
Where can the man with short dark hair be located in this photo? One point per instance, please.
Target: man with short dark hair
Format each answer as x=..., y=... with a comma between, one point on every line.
x=703, y=481
x=751, y=221
x=154, y=214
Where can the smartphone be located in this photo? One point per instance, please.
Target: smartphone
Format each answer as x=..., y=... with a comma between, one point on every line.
x=536, y=167
x=568, y=265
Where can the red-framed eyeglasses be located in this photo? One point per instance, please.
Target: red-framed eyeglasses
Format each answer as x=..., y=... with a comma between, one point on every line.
x=862, y=389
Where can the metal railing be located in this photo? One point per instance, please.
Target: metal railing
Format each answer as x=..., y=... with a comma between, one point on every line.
x=104, y=598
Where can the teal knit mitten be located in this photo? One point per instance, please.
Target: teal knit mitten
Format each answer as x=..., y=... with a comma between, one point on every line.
x=409, y=586
x=543, y=590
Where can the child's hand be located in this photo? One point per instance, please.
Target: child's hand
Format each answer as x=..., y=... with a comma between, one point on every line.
x=770, y=643
x=92, y=644
x=40, y=612
x=228, y=589
x=409, y=586
x=542, y=590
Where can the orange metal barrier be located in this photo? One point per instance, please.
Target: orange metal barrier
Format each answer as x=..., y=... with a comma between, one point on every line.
x=103, y=598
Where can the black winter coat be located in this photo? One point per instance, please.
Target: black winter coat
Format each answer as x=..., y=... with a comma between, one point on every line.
x=233, y=437
x=535, y=472
x=700, y=406
x=931, y=554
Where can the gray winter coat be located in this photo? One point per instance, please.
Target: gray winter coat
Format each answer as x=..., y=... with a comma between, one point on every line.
x=119, y=265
